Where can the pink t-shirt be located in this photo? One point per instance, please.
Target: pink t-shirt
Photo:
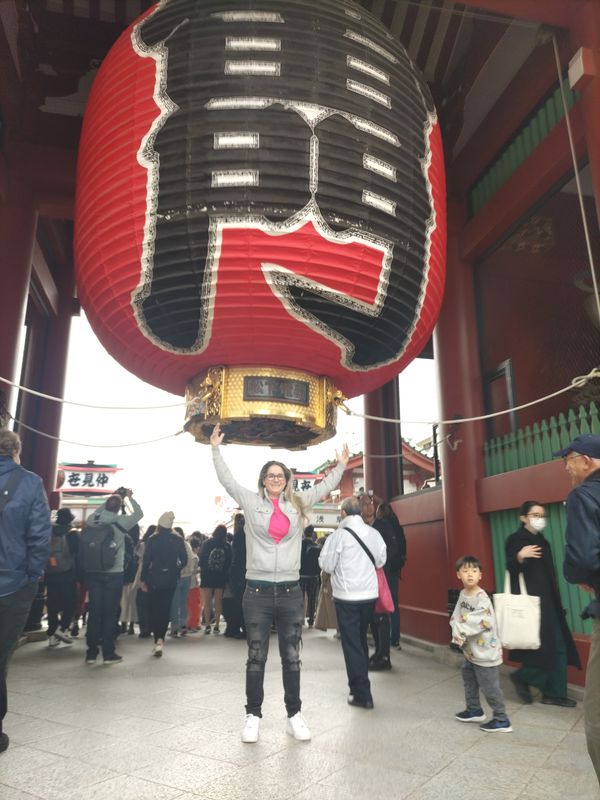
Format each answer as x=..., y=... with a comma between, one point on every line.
x=279, y=524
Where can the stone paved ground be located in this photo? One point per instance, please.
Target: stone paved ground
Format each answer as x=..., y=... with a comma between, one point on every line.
x=168, y=729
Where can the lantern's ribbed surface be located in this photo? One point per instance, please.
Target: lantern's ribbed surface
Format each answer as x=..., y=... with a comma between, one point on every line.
x=261, y=183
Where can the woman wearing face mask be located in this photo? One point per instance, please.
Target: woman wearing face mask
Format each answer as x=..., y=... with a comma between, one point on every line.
x=528, y=551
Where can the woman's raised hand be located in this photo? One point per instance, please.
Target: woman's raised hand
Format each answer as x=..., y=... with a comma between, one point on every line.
x=529, y=551
x=217, y=435
x=343, y=456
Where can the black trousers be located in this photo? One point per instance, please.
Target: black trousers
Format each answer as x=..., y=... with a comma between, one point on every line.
x=353, y=621
x=14, y=609
x=104, y=592
x=264, y=604
x=143, y=611
x=310, y=589
x=381, y=636
x=159, y=610
x=61, y=596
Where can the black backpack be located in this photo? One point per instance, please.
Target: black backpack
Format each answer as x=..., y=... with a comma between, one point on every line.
x=98, y=549
x=166, y=564
x=216, y=560
x=61, y=559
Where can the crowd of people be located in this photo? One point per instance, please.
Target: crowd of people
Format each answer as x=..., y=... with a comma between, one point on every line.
x=272, y=574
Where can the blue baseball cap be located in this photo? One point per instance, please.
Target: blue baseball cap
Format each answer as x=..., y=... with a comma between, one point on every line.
x=587, y=444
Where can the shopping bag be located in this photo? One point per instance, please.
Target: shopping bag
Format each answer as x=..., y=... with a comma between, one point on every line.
x=518, y=617
x=384, y=603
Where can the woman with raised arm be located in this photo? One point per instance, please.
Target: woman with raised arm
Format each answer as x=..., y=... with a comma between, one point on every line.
x=275, y=518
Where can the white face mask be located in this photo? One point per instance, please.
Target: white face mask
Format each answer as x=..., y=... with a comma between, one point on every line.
x=538, y=523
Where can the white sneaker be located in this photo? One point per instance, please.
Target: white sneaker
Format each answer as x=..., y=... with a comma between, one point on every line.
x=53, y=641
x=250, y=732
x=297, y=727
x=63, y=636
x=158, y=650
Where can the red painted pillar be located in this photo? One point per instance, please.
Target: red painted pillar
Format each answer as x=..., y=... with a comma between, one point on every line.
x=383, y=439
x=586, y=33
x=18, y=222
x=457, y=358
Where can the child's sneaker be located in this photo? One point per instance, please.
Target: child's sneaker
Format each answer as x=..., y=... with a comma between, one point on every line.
x=470, y=716
x=496, y=726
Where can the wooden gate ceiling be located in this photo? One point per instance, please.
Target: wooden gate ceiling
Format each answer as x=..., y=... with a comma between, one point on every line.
x=471, y=54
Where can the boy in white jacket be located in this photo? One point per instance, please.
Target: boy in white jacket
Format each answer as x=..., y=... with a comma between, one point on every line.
x=475, y=630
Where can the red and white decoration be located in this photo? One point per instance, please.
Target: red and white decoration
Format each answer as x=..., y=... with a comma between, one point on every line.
x=261, y=183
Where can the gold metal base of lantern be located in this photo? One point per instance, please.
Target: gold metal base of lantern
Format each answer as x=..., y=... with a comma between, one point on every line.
x=268, y=406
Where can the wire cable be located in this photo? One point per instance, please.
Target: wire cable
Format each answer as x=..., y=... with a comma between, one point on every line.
x=88, y=405
x=586, y=231
x=576, y=383
x=84, y=444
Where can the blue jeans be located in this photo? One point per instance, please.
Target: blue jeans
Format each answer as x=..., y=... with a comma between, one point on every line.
x=266, y=604
x=179, y=609
x=104, y=591
x=353, y=621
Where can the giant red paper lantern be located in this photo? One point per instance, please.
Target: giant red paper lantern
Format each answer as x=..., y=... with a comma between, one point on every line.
x=260, y=210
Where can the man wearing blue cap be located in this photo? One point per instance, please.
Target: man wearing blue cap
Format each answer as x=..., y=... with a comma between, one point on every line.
x=582, y=564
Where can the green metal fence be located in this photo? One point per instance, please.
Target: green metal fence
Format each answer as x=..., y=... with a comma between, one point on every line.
x=525, y=448
x=524, y=142
x=535, y=444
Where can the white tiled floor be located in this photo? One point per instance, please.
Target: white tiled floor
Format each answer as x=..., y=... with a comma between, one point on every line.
x=168, y=729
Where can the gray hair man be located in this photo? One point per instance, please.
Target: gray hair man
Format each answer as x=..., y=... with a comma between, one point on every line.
x=582, y=564
x=24, y=549
x=354, y=588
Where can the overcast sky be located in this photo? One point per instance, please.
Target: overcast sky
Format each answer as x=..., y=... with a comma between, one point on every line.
x=177, y=474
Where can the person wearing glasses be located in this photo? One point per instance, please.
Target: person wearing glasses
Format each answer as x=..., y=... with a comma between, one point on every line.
x=275, y=519
x=528, y=551
x=582, y=565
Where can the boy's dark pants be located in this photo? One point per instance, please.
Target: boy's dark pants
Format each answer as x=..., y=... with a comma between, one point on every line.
x=486, y=679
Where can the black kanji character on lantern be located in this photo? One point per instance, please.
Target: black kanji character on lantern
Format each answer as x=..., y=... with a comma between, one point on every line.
x=305, y=484
x=74, y=479
x=356, y=92
x=101, y=479
x=88, y=479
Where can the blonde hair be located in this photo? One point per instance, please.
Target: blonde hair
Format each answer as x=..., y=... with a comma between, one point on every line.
x=289, y=494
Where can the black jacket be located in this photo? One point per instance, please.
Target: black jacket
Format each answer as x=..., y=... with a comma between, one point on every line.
x=237, y=571
x=582, y=551
x=164, y=549
x=214, y=579
x=540, y=580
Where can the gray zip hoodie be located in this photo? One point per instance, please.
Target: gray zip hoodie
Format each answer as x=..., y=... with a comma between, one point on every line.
x=266, y=560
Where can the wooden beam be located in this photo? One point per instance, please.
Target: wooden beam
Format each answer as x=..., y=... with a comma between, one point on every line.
x=542, y=170
x=43, y=278
x=524, y=92
x=49, y=172
x=548, y=483
x=557, y=13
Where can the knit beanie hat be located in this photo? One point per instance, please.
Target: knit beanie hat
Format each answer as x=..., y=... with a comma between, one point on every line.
x=166, y=520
